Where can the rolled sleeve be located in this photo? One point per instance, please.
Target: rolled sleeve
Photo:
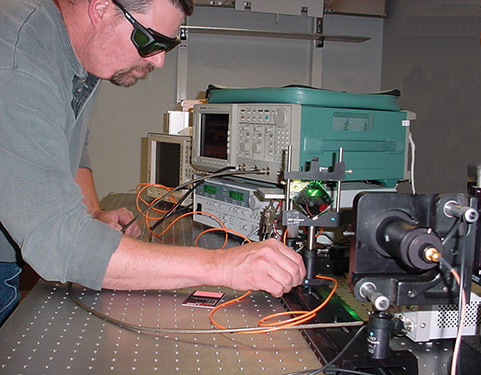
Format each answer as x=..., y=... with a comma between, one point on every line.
x=42, y=144
x=80, y=251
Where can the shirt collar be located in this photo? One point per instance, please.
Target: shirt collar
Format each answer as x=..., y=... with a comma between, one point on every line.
x=62, y=33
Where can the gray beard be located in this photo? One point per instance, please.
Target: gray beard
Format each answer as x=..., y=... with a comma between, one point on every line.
x=127, y=78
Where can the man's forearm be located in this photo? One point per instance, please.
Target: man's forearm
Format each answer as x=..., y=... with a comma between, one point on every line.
x=144, y=265
x=267, y=265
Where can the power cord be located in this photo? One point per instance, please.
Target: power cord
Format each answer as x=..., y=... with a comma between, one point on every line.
x=413, y=157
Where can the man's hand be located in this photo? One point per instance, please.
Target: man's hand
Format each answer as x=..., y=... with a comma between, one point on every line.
x=269, y=265
x=117, y=219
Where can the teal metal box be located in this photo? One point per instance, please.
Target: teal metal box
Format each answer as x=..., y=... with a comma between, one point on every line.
x=374, y=142
x=371, y=129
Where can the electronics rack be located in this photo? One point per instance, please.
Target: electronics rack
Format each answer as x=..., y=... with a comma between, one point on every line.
x=233, y=201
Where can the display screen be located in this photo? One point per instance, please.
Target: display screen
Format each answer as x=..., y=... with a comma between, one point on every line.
x=166, y=170
x=209, y=189
x=214, y=129
x=236, y=195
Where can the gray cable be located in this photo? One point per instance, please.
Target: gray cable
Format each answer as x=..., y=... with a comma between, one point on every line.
x=141, y=329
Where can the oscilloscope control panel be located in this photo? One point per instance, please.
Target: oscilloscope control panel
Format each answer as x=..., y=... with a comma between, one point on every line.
x=264, y=133
x=248, y=136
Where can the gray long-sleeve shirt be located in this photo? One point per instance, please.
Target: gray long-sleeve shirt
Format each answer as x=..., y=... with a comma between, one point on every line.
x=46, y=97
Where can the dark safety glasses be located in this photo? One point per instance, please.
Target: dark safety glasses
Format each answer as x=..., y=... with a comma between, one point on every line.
x=147, y=41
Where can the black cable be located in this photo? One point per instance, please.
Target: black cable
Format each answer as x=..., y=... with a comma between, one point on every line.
x=181, y=186
x=174, y=209
x=183, y=198
x=170, y=213
x=348, y=371
x=332, y=361
x=446, y=264
x=451, y=232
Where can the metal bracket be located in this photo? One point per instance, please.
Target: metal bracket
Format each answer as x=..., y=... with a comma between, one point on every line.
x=316, y=172
x=329, y=219
x=319, y=30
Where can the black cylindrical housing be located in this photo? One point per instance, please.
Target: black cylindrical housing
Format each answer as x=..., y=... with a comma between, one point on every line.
x=407, y=242
x=311, y=262
x=379, y=333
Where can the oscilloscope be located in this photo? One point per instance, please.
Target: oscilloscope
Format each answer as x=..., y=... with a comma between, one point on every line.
x=168, y=163
x=257, y=136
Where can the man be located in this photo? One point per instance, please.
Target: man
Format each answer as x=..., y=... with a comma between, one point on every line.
x=52, y=55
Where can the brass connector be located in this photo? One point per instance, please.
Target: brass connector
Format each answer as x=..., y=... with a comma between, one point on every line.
x=432, y=255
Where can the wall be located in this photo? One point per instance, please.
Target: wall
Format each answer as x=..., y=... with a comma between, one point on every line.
x=432, y=53
x=123, y=116
x=353, y=67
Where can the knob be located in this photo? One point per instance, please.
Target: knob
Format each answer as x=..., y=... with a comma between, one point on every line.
x=244, y=146
x=254, y=202
x=369, y=292
x=281, y=117
x=257, y=148
x=469, y=214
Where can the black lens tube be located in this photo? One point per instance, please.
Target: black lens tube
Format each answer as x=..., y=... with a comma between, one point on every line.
x=407, y=242
x=379, y=332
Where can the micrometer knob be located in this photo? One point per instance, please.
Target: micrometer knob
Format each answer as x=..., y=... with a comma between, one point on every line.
x=369, y=292
x=469, y=214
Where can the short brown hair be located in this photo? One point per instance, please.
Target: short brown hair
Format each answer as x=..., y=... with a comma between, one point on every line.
x=142, y=6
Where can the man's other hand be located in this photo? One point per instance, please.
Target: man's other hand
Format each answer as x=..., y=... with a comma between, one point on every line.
x=117, y=219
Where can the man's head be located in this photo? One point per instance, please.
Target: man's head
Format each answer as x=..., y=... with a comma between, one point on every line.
x=122, y=40
x=142, y=6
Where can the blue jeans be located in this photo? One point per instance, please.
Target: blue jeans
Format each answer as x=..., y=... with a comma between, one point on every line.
x=9, y=285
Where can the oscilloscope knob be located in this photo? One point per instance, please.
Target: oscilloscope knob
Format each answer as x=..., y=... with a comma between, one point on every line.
x=281, y=117
x=257, y=148
x=244, y=146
